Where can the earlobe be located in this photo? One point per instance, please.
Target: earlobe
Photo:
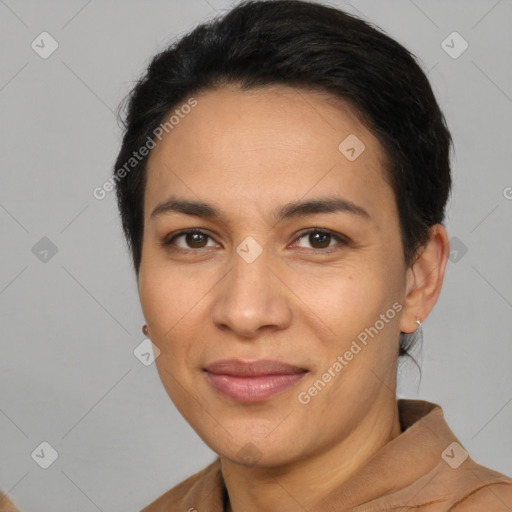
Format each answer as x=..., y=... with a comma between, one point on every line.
x=425, y=279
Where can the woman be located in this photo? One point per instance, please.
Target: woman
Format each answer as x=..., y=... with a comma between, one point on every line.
x=282, y=184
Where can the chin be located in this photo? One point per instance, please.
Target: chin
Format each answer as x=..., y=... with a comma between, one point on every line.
x=256, y=453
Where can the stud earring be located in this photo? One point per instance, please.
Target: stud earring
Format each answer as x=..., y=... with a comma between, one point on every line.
x=418, y=322
x=145, y=329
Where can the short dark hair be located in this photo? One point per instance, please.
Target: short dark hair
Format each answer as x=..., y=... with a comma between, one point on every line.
x=311, y=46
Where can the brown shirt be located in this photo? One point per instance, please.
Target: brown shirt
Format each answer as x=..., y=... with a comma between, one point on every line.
x=6, y=505
x=424, y=469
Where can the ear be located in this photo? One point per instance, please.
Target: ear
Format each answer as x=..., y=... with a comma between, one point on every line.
x=424, y=279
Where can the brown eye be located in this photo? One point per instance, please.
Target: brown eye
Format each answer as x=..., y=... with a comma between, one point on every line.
x=188, y=240
x=321, y=239
x=195, y=240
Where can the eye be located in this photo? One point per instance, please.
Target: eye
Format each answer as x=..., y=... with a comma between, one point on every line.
x=321, y=239
x=191, y=238
x=194, y=239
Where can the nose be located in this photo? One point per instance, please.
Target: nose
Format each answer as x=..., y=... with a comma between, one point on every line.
x=252, y=298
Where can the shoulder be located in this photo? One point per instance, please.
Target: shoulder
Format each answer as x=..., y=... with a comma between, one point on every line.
x=6, y=505
x=496, y=497
x=187, y=490
x=490, y=490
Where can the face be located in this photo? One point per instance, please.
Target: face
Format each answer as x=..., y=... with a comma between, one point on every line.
x=296, y=266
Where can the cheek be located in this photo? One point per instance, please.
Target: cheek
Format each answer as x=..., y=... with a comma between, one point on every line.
x=170, y=296
x=179, y=389
x=346, y=298
x=363, y=328
x=168, y=308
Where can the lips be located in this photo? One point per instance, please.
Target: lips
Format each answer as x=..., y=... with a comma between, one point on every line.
x=238, y=368
x=253, y=381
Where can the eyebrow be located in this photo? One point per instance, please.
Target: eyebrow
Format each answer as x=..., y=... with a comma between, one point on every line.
x=288, y=211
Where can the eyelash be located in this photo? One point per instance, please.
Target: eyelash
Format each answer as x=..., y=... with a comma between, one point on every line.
x=167, y=243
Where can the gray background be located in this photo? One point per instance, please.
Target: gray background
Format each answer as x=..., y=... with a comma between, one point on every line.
x=70, y=324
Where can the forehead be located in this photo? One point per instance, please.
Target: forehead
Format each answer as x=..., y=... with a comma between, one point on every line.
x=265, y=145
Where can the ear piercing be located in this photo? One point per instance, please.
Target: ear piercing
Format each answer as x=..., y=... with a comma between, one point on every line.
x=418, y=322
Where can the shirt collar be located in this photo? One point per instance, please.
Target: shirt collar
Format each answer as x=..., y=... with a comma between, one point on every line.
x=401, y=466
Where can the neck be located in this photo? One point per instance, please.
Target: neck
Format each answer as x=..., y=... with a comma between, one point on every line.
x=301, y=484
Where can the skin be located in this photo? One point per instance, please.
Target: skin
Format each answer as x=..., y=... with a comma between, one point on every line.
x=302, y=301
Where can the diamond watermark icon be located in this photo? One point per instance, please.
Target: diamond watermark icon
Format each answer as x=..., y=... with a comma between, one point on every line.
x=249, y=249
x=146, y=352
x=454, y=45
x=44, y=250
x=44, y=45
x=249, y=454
x=351, y=147
x=45, y=455
x=454, y=455
x=458, y=249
